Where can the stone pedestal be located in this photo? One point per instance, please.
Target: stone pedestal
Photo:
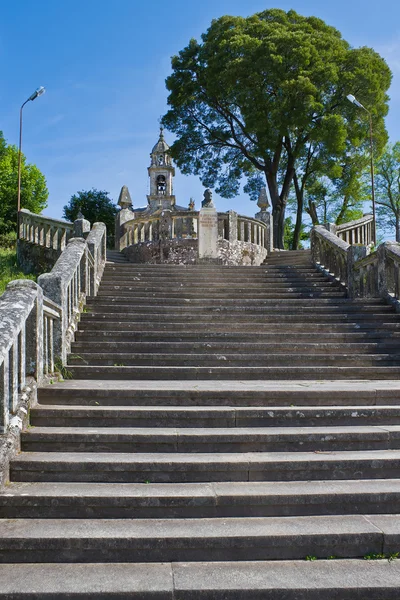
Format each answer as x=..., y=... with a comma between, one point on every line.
x=266, y=217
x=208, y=233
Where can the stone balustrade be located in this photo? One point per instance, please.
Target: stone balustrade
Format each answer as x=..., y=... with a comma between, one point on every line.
x=359, y=231
x=363, y=273
x=37, y=321
x=43, y=231
x=246, y=237
x=329, y=253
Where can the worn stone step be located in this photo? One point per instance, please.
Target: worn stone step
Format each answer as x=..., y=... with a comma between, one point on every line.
x=215, y=278
x=225, y=288
x=46, y=500
x=204, y=440
x=246, y=359
x=275, y=309
x=85, y=339
x=353, y=579
x=262, y=348
x=160, y=540
x=102, y=327
x=172, y=467
x=225, y=320
x=205, y=416
x=232, y=372
x=222, y=393
x=248, y=297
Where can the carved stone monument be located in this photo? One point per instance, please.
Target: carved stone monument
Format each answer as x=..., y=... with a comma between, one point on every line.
x=208, y=229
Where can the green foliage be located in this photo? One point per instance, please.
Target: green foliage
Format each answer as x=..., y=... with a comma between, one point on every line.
x=9, y=269
x=96, y=206
x=387, y=188
x=257, y=95
x=34, y=191
x=289, y=234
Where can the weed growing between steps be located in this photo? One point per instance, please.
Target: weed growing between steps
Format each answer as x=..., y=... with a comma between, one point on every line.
x=63, y=372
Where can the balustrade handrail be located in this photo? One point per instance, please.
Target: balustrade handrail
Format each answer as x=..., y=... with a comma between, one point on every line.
x=353, y=224
x=363, y=262
x=37, y=321
x=331, y=238
x=47, y=220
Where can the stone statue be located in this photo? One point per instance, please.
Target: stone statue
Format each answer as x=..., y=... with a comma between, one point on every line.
x=208, y=201
x=191, y=204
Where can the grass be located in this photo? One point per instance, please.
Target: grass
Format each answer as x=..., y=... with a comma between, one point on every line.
x=9, y=268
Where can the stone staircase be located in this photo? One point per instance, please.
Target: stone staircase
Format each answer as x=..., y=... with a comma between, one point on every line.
x=222, y=425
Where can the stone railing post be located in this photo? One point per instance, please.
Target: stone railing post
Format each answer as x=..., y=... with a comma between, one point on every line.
x=382, y=273
x=81, y=227
x=354, y=254
x=266, y=217
x=232, y=226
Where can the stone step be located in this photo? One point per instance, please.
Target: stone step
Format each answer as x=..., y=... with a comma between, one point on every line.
x=207, y=347
x=46, y=500
x=234, y=317
x=247, y=296
x=217, y=279
x=353, y=579
x=287, y=306
x=160, y=540
x=262, y=394
x=206, y=440
x=109, y=467
x=85, y=339
x=236, y=373
x=240, y=359
x=206, y=416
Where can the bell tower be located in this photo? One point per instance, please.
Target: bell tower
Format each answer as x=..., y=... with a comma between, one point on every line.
x=161, y=173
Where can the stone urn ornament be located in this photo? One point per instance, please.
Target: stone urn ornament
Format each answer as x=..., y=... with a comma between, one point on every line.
x=263, y=202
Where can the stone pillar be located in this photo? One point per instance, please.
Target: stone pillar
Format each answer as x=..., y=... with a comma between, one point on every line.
x=382, y=273
x=81, y=227
x=266, y=217
x=208, y=233
x=232, y=226
x=354, y=253
x=125, y=214
x=121, y=237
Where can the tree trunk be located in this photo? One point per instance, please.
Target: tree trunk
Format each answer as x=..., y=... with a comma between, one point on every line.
x=397, y=227
x=279, y=202
x=299, y=215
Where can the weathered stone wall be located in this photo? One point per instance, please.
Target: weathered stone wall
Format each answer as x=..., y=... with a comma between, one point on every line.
x=184, y=251
x=35, y=259
x=176, y=251
x=240, y=253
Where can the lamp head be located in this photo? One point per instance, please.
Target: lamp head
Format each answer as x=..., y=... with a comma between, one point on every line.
x=354, y=100
x=40, y=90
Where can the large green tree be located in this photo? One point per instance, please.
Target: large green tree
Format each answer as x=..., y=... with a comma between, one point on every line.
x=95, y=206
x=256, y=93
x=34, y=192
x=387, y=187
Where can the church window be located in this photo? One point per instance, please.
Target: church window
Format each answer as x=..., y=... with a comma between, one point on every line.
x=161, y=185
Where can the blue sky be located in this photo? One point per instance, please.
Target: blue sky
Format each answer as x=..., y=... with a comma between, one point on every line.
x=104, y=64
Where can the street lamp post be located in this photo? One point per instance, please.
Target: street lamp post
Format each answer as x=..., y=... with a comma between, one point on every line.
x=353, y=100
x=40, y=90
